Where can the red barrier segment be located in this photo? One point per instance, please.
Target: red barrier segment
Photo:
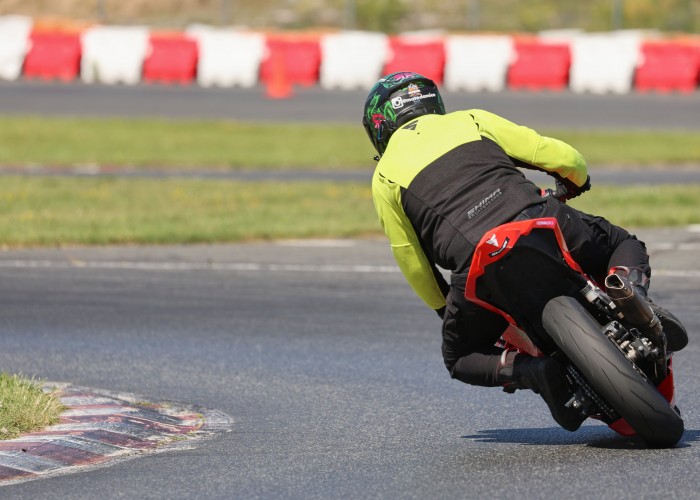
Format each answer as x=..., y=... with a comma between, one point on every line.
x=171, y=59
x=294, y=60
x=53, y=56
x=540, y=65
x=667, y=67
x=424, y=57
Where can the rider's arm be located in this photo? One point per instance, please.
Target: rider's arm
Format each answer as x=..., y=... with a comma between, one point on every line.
x=421, y=274
x=525, y=145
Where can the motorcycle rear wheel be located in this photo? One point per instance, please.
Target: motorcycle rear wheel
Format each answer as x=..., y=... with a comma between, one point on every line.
x=611, y=373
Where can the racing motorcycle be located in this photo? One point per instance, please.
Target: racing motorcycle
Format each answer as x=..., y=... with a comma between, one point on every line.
x=609, y=340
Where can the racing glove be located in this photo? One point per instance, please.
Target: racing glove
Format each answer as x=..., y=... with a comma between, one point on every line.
x=566, y=190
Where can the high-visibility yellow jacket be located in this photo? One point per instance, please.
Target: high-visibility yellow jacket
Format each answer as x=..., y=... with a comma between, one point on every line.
x=444, y=180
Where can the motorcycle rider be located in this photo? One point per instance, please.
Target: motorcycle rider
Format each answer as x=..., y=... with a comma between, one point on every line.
x=443, y=180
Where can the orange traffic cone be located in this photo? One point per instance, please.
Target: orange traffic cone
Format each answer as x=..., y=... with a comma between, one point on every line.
x=278, y=86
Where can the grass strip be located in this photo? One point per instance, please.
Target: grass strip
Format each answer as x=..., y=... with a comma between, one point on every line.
x=237, y=145
x=54, y=211
x=39, y=211
x=25, y=407
x=182, y=143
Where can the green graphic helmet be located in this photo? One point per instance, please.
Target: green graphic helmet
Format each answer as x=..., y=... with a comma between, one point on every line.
x=396, y=99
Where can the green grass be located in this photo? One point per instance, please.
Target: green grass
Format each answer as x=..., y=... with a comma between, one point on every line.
x=643, y=206
x=59, y=211
x=25, y=407
x=53, y=211
x=190, y=144
x=634, y=148
x=237, y=145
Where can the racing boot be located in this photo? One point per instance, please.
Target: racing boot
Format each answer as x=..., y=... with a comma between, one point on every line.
x=544, y=376
x=674, y=331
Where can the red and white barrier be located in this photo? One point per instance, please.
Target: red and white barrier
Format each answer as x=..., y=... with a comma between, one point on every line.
x=14, y=43
x=352, y=59
x=53, y=56
x=668, y=67
x=617, y=62
x=296, y=59
x=540, y=65
x=422, y=54
x=113, y=54
x=171, y=58
x=477, y=62
x=603, y=63
x=227, y=57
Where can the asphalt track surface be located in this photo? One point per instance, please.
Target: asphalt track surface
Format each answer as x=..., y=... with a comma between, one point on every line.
x=537, y=109
x=331, y=370
x=328, y=364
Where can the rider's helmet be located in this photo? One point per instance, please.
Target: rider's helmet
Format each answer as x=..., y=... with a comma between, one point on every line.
x=396, y=99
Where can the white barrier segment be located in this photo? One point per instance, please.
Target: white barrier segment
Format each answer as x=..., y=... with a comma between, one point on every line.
x=477, y=62
x=227, y=57
x=14, y=45
x=113, y=54
x=352, y=59
x=604, y=62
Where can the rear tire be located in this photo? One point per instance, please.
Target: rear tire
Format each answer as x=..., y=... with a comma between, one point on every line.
x=611, y=374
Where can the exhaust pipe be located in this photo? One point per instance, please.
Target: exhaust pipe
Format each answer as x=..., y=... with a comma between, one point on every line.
x=635, y=309
x=638, y=314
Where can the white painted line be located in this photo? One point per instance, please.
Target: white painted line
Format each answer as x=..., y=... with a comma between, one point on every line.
x=316, y=243
x=246, y=266
x=694, y=228
x=669, y=273
x=195, y=266
x=681, y=247
x=661, y=247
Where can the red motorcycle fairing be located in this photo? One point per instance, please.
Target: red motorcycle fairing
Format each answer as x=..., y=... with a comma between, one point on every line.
x=497, y=243
x=494, y=245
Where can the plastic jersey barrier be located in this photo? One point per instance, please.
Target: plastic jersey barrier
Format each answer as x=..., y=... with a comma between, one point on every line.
x=113, y=54
x=53, y=56
x=602, y=63
x=14, y=43
x=424, y=56
x=539, y=65
x=294, y=58
x=227, y=57
x=171, y=58
x=476, y=62
x=668, y=66
x=352, y=59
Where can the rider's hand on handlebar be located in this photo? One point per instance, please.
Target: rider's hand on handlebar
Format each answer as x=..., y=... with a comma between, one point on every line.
x=565, y=189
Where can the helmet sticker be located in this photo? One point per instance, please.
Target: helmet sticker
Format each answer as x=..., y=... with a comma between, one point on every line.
x=403, y=76
x=391, y=80
x=377, y=119
x=413, y=90
x=398, y=102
